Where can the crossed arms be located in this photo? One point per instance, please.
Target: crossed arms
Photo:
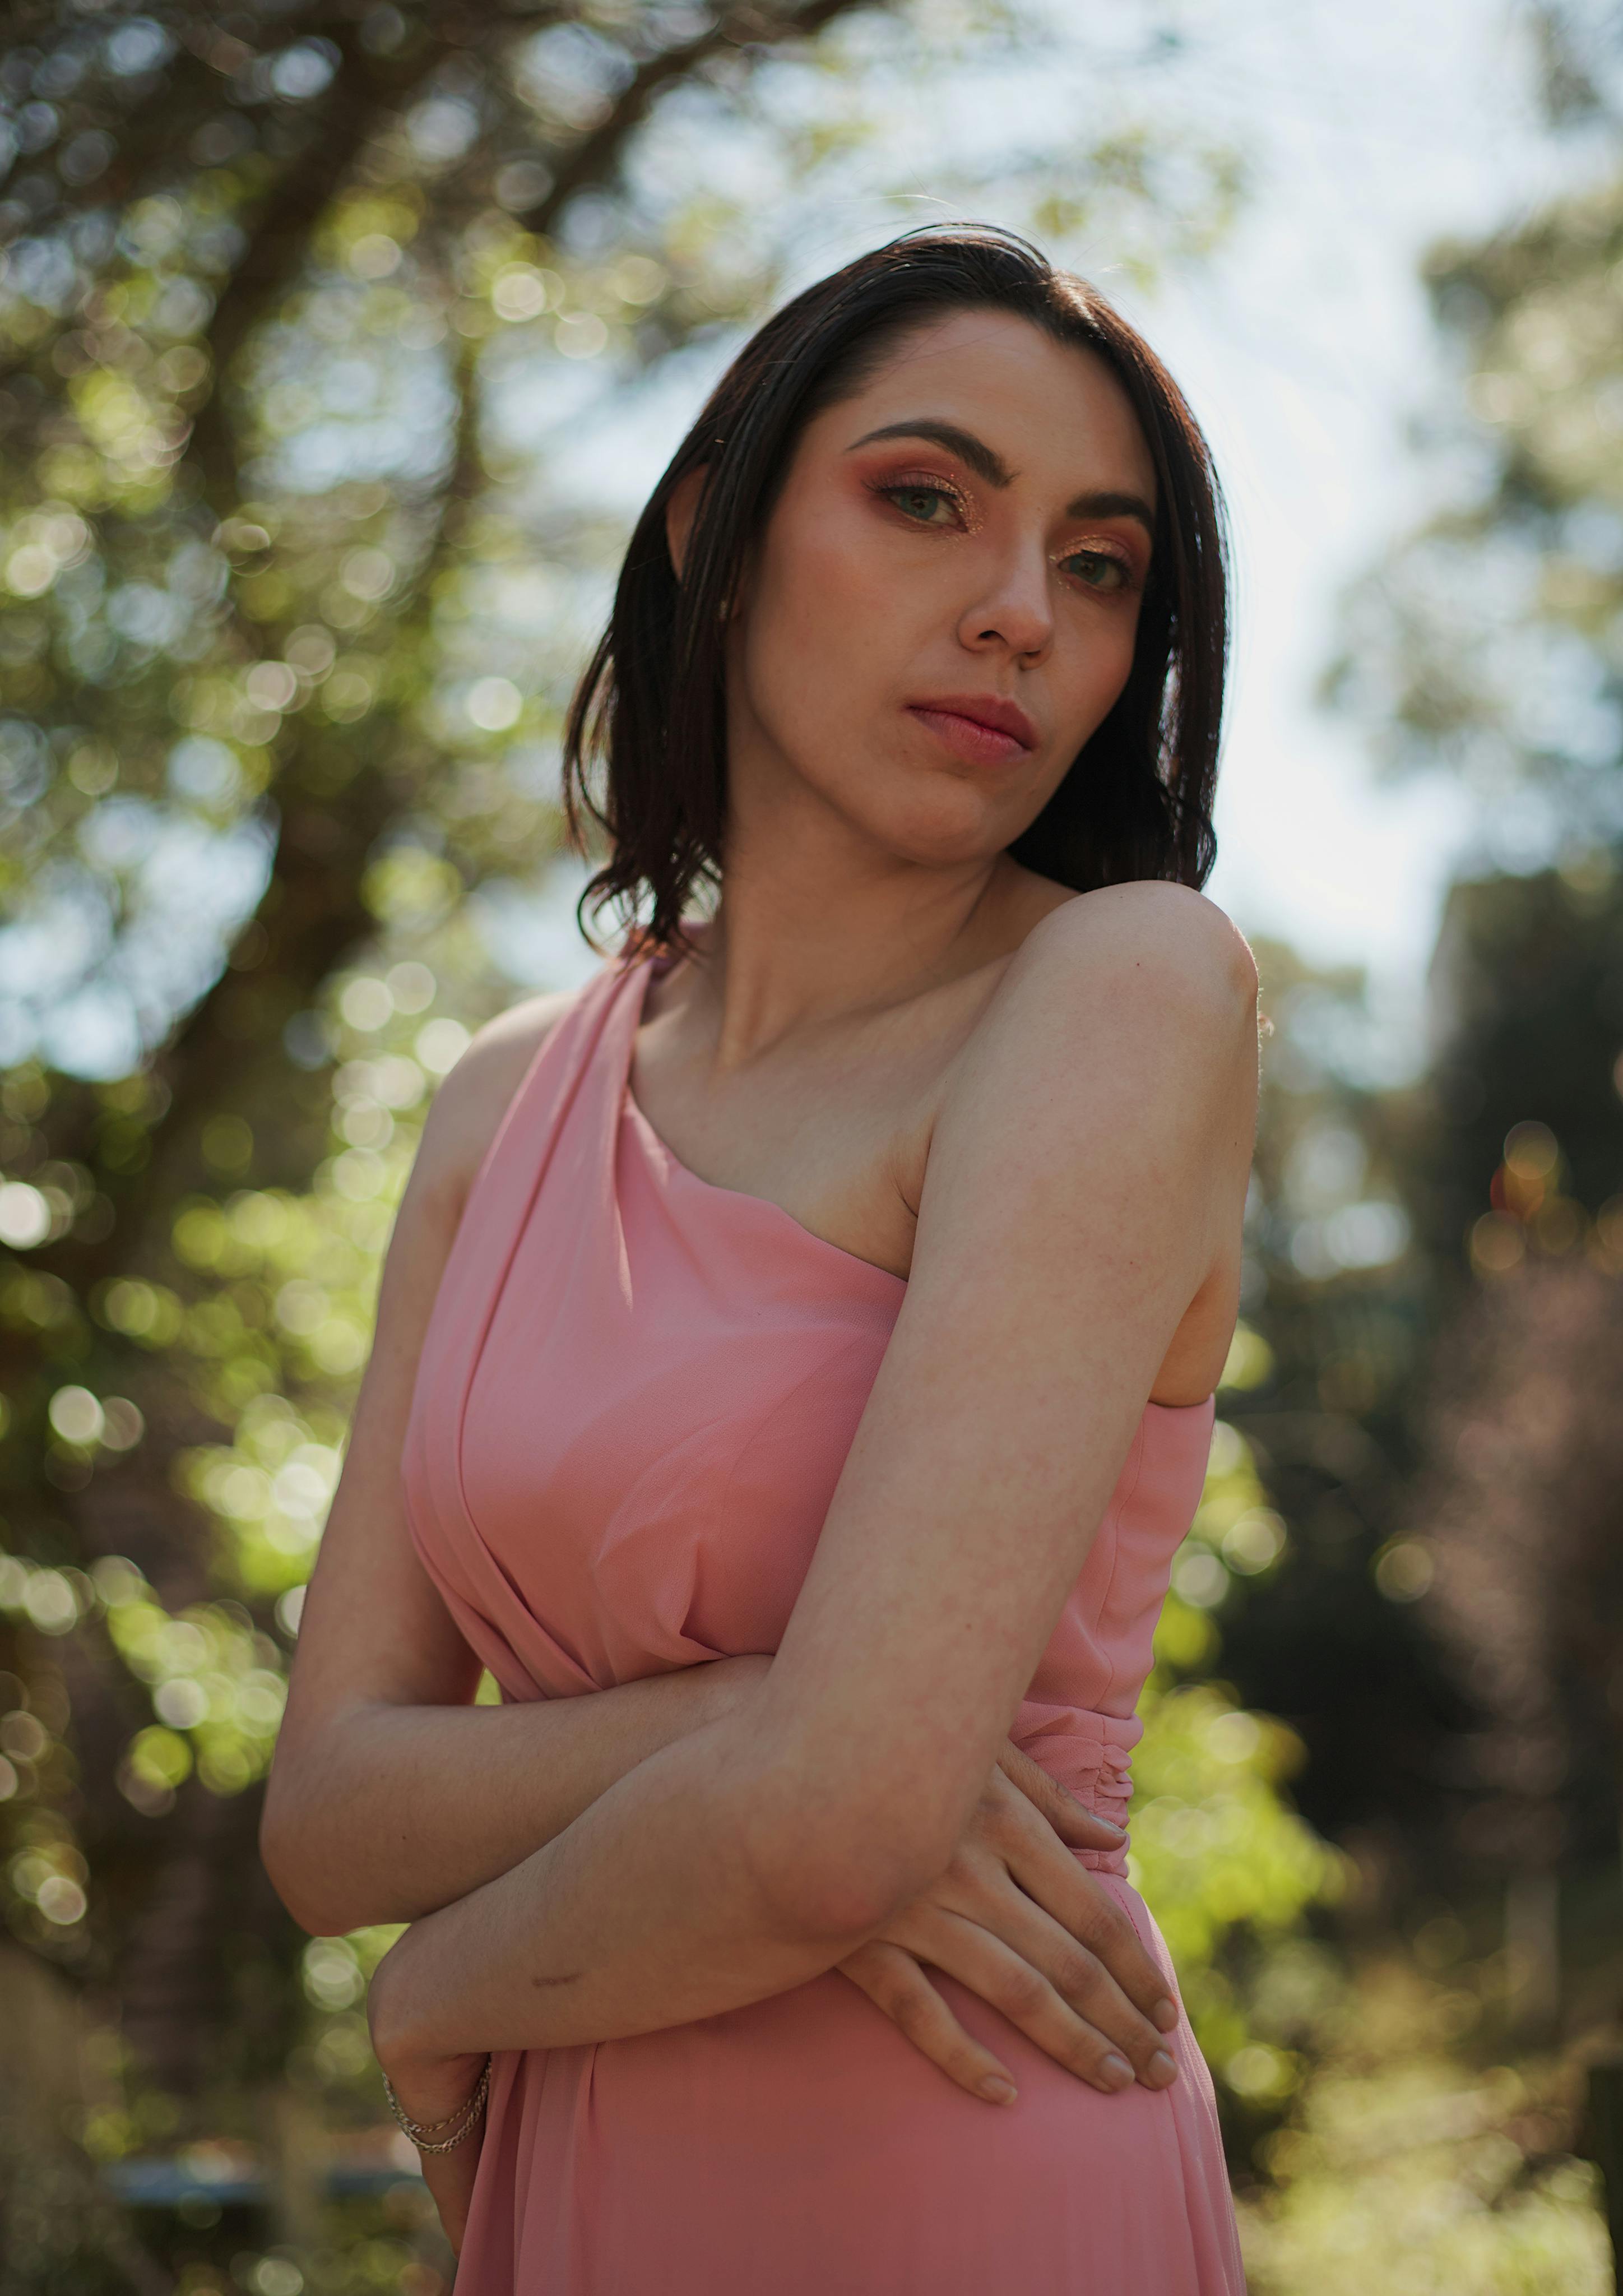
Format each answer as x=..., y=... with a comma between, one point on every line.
x=618, y=1862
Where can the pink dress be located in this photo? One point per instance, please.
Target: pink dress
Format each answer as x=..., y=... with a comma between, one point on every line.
x=635, y=1396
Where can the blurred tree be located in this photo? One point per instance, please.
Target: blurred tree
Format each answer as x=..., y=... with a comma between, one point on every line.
x=1519, y=1515
x=1228, y=1863
x=1488, y=642
x=1525, y=1085
x=1579, y=62
x=1520, y=1171
x=1490, y=645
x=1406, y=2164
x=1338, y=1302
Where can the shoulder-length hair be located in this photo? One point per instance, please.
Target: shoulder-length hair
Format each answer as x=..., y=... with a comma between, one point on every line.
x=645, y=739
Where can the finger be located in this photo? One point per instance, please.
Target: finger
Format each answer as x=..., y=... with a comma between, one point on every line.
x=1070, y=1819
x=894, y=1982
x=1077, y=1976
x=1026, y=1996
x=1069, y=1894
x=1084, y=1978
x=1049, y=1807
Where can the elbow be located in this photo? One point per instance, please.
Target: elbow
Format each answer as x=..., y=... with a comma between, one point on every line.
x=292, y=1854
x=287, y=1870
x=395, y=2033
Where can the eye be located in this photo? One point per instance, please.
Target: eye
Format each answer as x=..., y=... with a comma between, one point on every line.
x=1099, y=570
x=921, y=500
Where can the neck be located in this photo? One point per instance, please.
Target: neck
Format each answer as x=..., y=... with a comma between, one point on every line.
x=815, y=926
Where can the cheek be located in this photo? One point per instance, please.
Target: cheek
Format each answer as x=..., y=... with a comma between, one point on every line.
x=822, y=622
x=1098, y=664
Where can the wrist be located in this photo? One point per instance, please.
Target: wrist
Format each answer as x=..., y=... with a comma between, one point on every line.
x=441, y=2106
x=434, y=2092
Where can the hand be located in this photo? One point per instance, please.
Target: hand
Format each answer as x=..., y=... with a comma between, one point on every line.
x=430, y=2090
x=1016, y=1919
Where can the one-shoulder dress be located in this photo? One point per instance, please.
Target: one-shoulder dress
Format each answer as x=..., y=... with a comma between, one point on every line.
x=635, y=1397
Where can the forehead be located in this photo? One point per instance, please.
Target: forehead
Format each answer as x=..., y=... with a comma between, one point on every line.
x=1054, y=411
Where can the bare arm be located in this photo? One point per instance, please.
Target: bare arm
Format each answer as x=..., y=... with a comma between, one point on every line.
x=404, y=1808
x=1087, y=1166
x=392, y=1794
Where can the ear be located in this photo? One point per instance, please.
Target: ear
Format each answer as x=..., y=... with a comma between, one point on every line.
x=680, y=511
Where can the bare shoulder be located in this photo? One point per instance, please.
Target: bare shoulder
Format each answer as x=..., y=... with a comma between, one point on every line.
x=1144, y=992
x=1168, y=940
x=471, y=1103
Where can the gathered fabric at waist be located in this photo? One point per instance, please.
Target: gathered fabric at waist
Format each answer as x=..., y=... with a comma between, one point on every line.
x=1091, y=1756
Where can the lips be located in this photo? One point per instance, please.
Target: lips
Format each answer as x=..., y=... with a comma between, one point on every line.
x=983, y=725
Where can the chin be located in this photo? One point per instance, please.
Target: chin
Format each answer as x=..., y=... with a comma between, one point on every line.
x=941, y=828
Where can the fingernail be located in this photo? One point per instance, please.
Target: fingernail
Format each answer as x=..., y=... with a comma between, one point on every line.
x=1165, y=2013
x=1160, y=2069
x=998, y=2092
x=1116, y=2071
x=1110, y=1826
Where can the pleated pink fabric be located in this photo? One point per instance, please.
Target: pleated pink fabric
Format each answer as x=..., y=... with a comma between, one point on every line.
x=635, y=1399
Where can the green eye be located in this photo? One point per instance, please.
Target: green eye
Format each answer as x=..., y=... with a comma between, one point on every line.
x=1098, y=569
x=918, y=502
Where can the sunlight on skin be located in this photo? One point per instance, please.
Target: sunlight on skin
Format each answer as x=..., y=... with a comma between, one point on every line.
x=863, y=837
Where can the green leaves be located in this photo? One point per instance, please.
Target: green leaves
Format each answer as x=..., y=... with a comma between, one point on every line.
x=1486, y=642
x=217, y=1687
x=1227, y=1866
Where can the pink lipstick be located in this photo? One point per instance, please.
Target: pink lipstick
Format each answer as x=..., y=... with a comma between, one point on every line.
x=983, y=728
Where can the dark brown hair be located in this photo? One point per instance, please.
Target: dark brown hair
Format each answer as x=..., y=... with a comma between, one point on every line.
x=646, y=740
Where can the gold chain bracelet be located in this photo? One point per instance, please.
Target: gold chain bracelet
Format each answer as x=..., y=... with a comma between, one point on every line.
x=421, y=2132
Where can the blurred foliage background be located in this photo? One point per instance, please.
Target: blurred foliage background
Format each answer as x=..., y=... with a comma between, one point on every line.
x=328, y=332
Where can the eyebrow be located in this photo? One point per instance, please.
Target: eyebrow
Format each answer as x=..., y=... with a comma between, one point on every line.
x=988, y=464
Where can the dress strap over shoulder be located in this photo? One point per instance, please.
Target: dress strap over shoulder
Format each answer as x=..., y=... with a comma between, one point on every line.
x=551, y=1111
x=533, y=1117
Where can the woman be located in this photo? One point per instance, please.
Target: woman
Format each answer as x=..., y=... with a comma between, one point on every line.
x=801, y=1344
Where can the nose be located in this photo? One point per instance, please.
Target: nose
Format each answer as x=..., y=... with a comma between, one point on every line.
x=1015, y=615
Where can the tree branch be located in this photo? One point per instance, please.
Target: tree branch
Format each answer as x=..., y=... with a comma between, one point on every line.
x=598, y=153
x=358, y=97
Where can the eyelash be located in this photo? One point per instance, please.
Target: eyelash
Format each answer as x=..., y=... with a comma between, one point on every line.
x=888, y=489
